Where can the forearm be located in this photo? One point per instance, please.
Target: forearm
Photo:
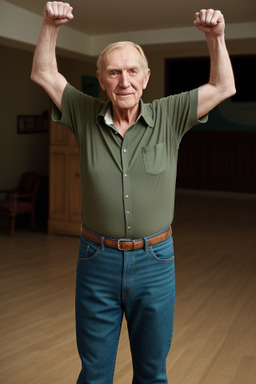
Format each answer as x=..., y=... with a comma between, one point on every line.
x=221, y=72
x=44, y=62
x=44, y=67
x=221, y=83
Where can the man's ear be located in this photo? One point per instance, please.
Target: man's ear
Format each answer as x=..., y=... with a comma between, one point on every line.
x=146, y=79
x=100, y=80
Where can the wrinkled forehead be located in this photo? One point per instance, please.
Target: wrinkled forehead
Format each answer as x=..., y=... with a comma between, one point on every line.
x=123, y=57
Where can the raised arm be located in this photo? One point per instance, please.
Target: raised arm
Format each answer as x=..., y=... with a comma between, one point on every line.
x=44, y=69
x=221, y=84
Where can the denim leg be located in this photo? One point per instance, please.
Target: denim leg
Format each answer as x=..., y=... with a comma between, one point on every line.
x=149, y=310
x=98, y=311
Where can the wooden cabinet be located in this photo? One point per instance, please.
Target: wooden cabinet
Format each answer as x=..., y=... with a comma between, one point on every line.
x=64, y=189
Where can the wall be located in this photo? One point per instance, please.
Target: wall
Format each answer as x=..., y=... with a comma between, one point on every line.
x=20, y=96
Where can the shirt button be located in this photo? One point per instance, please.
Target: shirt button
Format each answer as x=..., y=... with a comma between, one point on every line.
x=127, y=196
x=128, y=212
x=125, y=150
x=116, y=133
x=125, y=175
x=129, y=227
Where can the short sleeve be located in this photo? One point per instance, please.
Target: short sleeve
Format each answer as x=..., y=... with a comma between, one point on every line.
x=182, y=112
x=77, y=109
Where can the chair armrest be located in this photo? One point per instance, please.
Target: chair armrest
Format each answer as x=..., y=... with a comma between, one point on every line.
x=17, y=196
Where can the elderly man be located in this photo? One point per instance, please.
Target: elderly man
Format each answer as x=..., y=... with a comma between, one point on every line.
x=128, y=156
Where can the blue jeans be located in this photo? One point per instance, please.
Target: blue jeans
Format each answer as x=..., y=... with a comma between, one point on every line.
x=139, y=284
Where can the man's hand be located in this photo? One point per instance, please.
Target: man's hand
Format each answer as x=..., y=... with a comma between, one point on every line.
x=210, y=21
x=57, y=13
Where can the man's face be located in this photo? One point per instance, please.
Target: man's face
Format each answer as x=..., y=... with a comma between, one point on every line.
x=124, y=77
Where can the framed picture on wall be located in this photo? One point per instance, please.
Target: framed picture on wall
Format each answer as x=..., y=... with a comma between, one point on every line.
x=33, y=123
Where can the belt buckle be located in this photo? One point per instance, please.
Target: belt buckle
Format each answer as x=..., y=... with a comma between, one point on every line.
x=123, y=241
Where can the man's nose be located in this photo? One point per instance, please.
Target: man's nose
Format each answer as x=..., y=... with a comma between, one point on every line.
x=124, y=80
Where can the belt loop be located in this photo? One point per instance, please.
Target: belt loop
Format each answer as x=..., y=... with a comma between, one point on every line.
x=102, y=243
x=146, y=247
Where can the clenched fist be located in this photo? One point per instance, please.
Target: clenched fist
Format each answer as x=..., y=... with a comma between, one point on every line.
x=57, y=13
x=210, y=21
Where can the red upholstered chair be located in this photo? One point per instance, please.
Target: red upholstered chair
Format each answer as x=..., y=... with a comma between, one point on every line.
x=21, y=200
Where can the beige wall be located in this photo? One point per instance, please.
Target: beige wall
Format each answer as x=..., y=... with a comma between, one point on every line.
x=19, y=95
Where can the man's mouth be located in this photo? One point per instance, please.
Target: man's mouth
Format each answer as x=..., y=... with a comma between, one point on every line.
x=124, y=94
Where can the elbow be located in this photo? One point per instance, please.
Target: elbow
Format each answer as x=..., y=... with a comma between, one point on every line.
x=35, y=77
x=231, y=87
x=229, y=92
x=38, y=77
x=232, y=91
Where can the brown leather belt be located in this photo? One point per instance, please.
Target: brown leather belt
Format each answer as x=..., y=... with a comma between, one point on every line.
x=126, y=244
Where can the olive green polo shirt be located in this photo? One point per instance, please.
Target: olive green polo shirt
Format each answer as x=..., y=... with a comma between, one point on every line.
x=128, y=184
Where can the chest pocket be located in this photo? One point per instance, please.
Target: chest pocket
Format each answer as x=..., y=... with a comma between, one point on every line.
x=154, y=158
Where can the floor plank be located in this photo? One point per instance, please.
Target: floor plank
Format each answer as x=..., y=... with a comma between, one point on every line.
x=214, y=339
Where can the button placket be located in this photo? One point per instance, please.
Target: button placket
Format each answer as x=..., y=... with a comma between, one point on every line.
x=126, y=189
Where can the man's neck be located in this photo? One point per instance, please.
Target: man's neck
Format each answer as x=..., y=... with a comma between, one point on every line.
x=123, y=119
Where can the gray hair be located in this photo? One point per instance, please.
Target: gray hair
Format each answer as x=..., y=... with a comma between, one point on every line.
x=120, y=45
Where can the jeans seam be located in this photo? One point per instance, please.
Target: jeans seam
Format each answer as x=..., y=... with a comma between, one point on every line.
x=88, y=258
x=159, y=259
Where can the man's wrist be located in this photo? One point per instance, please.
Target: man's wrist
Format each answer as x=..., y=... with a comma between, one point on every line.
x=50, y=30
x=212, y=38
x=50, y=26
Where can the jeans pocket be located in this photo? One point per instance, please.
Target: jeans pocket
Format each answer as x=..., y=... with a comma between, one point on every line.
x=87, y=249
x=164, y=251
x=154, y=158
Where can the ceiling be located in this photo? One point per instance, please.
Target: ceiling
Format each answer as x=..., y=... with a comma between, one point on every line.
x=113, y=16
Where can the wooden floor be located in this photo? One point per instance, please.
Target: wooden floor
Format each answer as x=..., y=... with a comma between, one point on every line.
x=214, y=338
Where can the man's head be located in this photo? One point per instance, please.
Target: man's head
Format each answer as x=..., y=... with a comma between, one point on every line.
x=123, y=73
x=121, y=45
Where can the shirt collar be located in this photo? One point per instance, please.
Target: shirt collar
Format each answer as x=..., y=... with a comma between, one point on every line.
x=108, y=118
x=145, y=113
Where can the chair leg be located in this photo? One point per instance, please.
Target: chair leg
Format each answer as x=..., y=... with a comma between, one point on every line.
x=12, y=222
